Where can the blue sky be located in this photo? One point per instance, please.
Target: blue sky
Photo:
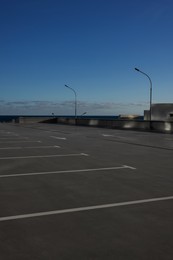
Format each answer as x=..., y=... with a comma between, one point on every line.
x=90, y=45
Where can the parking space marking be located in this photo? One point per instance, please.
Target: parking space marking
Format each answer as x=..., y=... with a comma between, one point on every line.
x=68, y=171
x=42, y=156
x=29, y=147
x=96, y=207
x=106, y=135
x=57, y=137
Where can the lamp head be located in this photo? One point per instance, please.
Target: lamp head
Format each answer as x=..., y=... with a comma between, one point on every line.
x=137, y=69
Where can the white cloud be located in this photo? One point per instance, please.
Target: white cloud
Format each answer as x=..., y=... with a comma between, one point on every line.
x=67, y=108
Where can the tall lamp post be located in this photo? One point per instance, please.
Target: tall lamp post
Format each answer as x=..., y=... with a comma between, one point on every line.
x=75, y=102
x=150, y=88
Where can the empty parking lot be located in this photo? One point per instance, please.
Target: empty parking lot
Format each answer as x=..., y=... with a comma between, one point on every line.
x=71, y=192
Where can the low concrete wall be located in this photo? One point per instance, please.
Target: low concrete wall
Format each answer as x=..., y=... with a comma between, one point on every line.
x=157, y=126
x=8, y=119
x=162, y=126
x=31, y=120
x=119, y=124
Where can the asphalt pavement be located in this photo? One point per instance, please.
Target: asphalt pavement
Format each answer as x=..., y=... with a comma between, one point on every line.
x=72, y=192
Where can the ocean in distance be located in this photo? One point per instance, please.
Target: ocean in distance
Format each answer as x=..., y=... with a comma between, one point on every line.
x=10, y=118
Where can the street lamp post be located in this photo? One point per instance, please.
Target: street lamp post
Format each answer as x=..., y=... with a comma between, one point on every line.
x=75, y=102
x=150, y=89
x=83, y=114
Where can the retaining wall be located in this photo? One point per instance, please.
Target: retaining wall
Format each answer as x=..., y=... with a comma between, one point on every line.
x=157, y=126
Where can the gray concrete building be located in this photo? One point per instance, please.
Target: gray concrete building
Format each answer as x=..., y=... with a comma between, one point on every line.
x=160, y=112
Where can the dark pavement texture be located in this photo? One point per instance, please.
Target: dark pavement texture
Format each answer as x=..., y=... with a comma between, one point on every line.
x=63, y=154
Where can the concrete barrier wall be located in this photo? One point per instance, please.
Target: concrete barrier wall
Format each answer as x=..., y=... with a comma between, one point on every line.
x=125, y=124
x=158, y=126
x=161, y=126
x=31, y=120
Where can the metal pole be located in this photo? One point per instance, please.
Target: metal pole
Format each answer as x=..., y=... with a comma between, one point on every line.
x=83, y=113
x=150, y=90
x=75, y=102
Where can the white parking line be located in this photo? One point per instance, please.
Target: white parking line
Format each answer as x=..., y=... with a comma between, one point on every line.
x=42, y=156
x=68, y=171
x=106, y=135
x=29, y=147
x=96, y=207
x=57, y=137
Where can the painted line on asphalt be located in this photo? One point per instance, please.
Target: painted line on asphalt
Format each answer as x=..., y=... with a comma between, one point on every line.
x=68, y=171
x=42, y=156
x=106, y=135
x=129, y=167
x=29, y=147
x=80, y=209
x=57, y=137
